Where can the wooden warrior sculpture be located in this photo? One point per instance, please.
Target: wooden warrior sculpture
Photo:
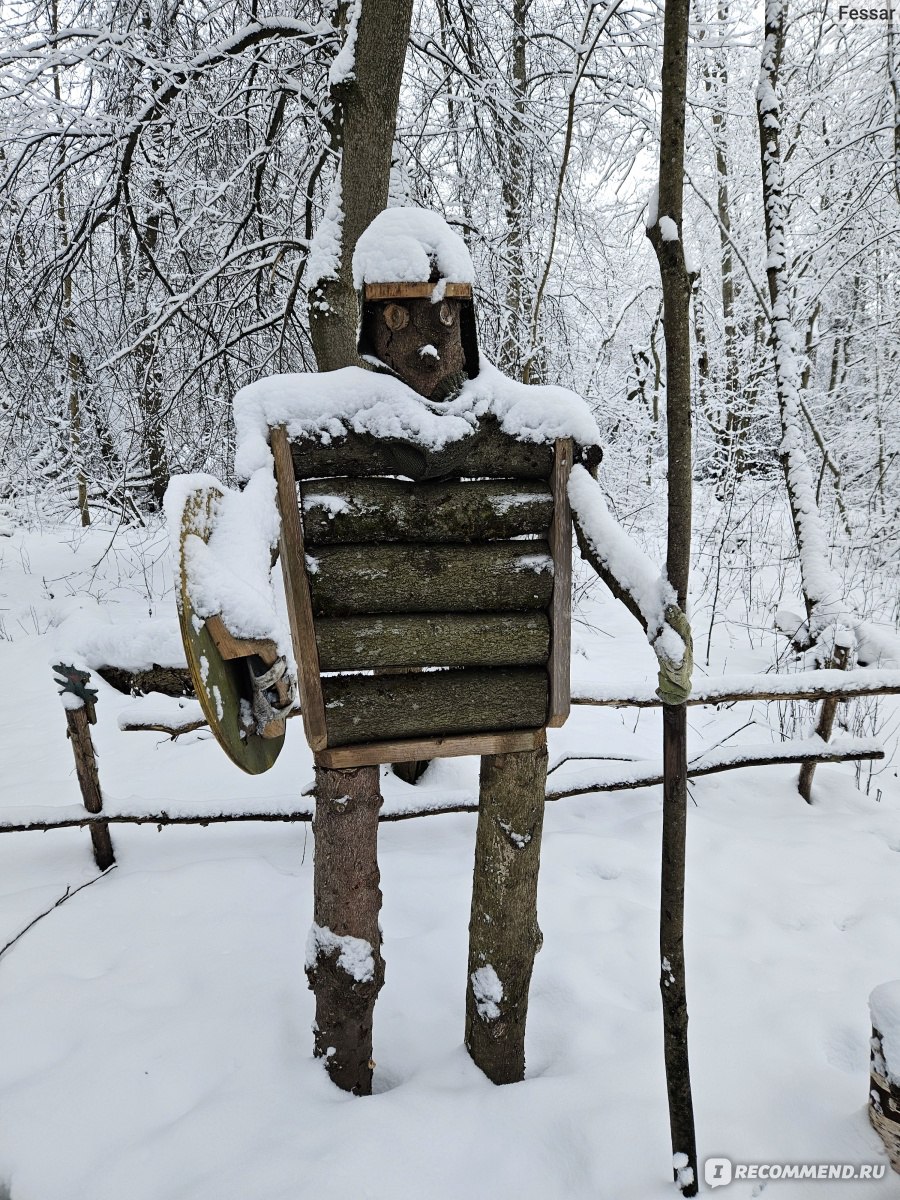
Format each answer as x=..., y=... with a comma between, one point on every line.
x=425, y=532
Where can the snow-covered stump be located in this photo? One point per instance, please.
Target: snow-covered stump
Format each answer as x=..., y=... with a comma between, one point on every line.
x=884, y=1076
x=343, y=956
x=504, y=935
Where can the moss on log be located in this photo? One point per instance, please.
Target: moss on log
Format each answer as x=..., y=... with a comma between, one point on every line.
x=487, y=452
x=371, y=708
x=441, y=640
x=387, y=510
x=420, y=577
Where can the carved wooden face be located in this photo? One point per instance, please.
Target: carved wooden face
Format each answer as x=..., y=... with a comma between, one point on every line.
x=421, y=342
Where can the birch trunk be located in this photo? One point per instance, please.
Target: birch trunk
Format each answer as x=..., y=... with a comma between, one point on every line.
x=821, y=588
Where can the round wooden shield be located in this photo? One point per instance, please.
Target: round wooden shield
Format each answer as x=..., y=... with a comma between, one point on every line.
x=222, y=684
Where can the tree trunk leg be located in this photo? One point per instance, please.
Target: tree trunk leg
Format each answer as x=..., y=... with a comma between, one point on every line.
x=825, y=724
x=343, y=955
x=503, y=930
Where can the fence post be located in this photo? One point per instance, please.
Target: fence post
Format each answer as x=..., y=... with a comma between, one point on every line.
x=825, y=724
x=78, y=701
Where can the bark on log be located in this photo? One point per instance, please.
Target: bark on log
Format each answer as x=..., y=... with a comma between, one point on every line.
x=343, y=958
x=488, y=452
x=387, y=510
x=369, y=708
x=89, y=782
x=504, y=935
x=441, y=640
x=170, y=681
x=350, y=580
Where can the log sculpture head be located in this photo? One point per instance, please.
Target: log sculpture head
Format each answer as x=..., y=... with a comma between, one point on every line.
x=414, y=274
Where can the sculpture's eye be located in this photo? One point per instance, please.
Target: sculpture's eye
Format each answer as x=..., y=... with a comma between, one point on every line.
x=396, y=317
x=446, y=314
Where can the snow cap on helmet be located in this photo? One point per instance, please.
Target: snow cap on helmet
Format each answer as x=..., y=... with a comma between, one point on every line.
x=411, y=253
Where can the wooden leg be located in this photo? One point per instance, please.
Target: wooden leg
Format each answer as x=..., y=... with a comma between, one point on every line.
x=343, y=958
x=504, y=935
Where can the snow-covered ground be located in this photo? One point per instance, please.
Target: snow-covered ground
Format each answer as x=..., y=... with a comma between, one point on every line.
x=155, y=1028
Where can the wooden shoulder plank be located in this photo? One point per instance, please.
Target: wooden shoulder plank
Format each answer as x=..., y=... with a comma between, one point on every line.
x=561, y=607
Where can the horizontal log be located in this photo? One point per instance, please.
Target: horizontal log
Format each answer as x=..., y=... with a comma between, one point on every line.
x=638, y=775
x=422, y=577
x=487, y=452
x=732, y=689
x=648, y=773
x=393, y=510
x=369, y=708
x=174, y=731
x=171, y=681
x=441, y=640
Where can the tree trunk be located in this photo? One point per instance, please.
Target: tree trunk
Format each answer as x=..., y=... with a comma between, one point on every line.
x=343, y=956
x=822, y=589
x=348, y=898
x=676, y=289
x=362, y=131
x=737, y=418
x=74, y=365
x=514, y=189
x=504, y=935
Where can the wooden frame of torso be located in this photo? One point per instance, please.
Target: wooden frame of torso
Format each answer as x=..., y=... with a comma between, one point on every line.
x=488, y=454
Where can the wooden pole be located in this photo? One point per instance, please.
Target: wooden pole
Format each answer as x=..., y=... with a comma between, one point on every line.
x=343, y=956
x=665, y=231
x=825, y=724
x=504, y=935
x=78, y=721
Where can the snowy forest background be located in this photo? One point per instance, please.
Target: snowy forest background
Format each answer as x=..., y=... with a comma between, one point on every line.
x=166, y=168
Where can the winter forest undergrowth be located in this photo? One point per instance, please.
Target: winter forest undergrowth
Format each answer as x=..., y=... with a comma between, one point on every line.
x=174, y=179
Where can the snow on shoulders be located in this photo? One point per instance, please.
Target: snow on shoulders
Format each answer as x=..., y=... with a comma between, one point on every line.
x=328, y=405
x=531, y=412
x=404, y=245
